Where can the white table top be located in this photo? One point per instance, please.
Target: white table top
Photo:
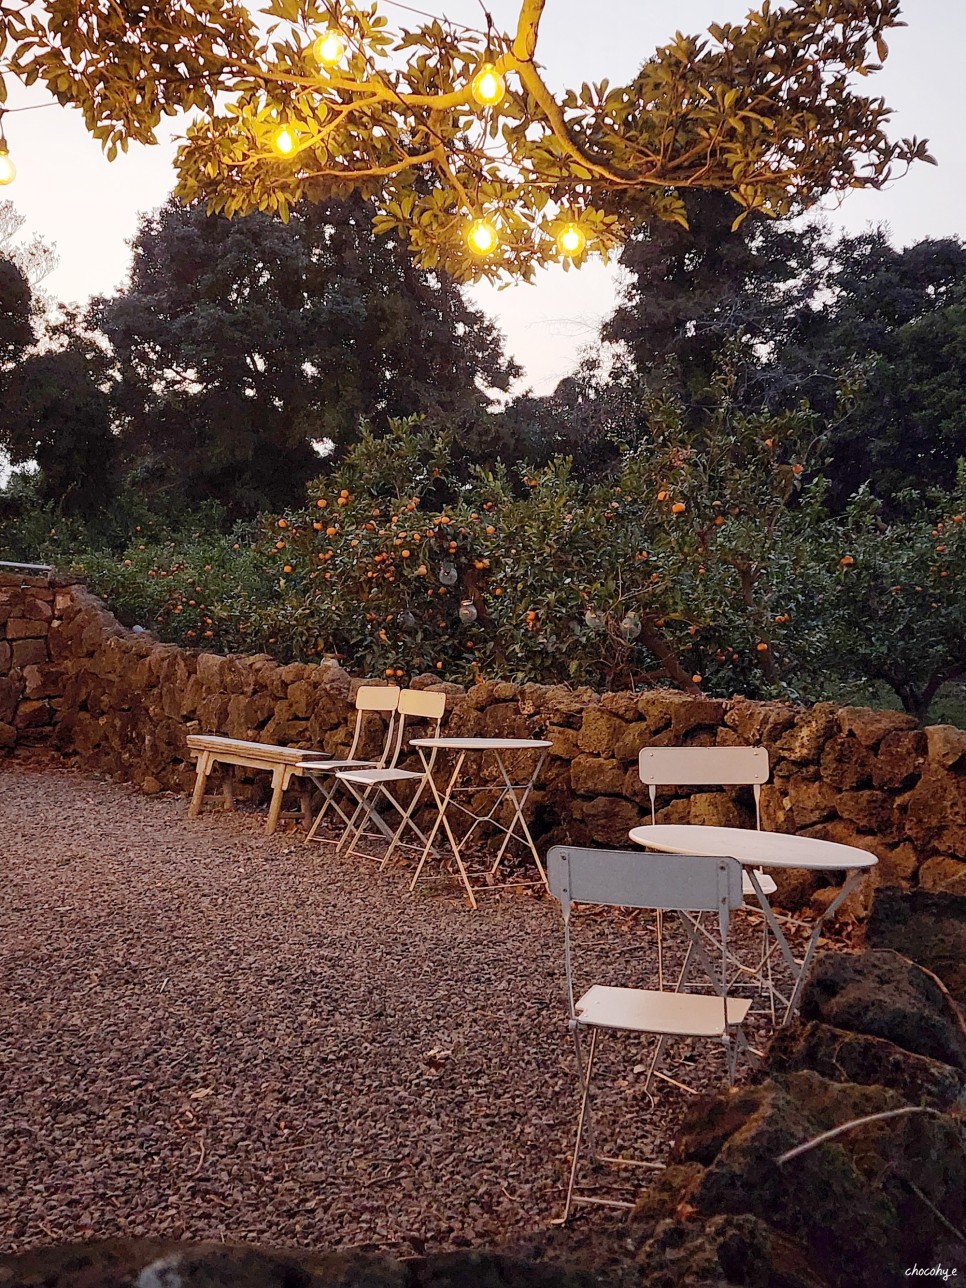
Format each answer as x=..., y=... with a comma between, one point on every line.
x=757, y=849
x=481, y=744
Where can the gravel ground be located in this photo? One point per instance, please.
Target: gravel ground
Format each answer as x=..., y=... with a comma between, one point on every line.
x=206, y=1033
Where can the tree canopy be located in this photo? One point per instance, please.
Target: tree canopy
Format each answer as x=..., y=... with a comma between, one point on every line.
x=454, y=135
x=244, y=345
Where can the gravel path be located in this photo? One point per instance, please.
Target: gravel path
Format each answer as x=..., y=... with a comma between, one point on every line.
x=208, y=1033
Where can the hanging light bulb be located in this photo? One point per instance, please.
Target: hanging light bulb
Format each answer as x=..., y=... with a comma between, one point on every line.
x=447, y=574
x=488, y=86
x=595, y=619
x=8, y=171
x=482, y=237
x=329, y=49
x=630, y=627
x=407, y=620
x=468, y=612
x=284, y=141
x=571, y=240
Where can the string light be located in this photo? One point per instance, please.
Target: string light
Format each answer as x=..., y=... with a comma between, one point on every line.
x=571, y=241
x=488, y=86
x=284, y=141
x=482, y=237
x=330, y=48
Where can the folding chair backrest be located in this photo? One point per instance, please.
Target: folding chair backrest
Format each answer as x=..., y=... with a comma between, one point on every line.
x=634, y=879
x=375, y=697
x=631, y=879
x=418, y=704
x=700, y=766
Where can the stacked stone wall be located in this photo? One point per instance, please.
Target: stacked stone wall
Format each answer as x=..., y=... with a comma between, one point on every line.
x=122, y=703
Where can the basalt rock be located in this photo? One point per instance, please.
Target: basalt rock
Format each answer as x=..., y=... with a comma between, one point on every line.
x=883, y=994
x=145, y=1264
x=843, y=1056
x=926, y=926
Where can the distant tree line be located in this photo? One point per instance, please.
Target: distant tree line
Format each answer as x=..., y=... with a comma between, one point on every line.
x=243, y=356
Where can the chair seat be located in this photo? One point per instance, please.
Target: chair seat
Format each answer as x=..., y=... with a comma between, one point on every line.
x=368, y=777
x=643, y=1010
x=766, y=882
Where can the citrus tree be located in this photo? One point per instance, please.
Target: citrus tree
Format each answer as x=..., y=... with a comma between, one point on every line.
x=455, y=134
x=894, y=609
x=707, y=562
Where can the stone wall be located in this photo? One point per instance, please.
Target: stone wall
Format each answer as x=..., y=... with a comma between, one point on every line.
x=122, y=703
x=31, y=683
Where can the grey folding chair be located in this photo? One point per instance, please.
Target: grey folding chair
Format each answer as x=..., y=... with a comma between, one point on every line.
x=373, y=788
x=370, y=698
x=684, y=883
x=719, y=767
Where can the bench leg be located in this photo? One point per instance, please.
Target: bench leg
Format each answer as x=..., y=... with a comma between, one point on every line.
x=305, y=802
x=228, y=787
x=202, y=769
x=279, y=783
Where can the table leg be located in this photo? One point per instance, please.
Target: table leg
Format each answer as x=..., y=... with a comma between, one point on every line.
x=518, y=807
x=773, y=925
x=852, y=881
x=442, y=804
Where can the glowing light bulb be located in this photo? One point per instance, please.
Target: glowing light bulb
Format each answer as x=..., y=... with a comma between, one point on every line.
x=481, y=237
x=571, y=240
x=283, y=141
x=488, y=86
x=8, y=171
x=330, y=48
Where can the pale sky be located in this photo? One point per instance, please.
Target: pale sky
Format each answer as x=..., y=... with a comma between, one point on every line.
x=73, y=197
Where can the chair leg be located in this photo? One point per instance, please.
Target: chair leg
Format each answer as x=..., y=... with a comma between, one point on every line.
x=202, y=769
x=589, y=1119
x=655, y=1061
x=581, y=1118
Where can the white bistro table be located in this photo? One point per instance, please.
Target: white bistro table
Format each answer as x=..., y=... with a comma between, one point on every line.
x=754, y=849
x=517, y=793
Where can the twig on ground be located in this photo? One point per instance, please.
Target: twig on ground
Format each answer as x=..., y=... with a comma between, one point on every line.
x=854, y=1122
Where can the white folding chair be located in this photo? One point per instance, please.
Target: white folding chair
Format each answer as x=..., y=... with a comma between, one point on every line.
x=684, y=883
x=719, y=767
x=382, y=699
x=373, y=787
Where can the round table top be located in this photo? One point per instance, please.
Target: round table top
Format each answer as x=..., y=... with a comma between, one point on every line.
x=481, y=744
x=757, y=849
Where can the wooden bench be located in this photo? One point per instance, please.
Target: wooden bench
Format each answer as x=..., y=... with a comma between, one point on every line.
x=281, y=762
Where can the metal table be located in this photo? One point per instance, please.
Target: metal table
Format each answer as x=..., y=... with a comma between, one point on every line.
x=754, y=849
x=517, y=793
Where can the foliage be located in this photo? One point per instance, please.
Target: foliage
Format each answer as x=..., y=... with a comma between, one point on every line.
x=899, y=315
x=898, y=614
x=767, y=111
x=706, y=563
x=802, y=316
x=57, y=415
x=34, y=258
x=16, y=330
x=689, y=294
x=243, y=345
